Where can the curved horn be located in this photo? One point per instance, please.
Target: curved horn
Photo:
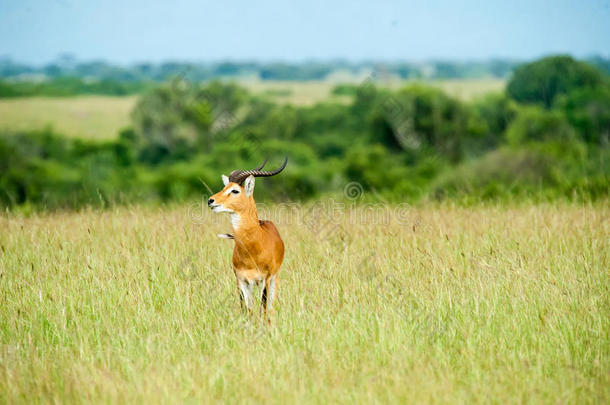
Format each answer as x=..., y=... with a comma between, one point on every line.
x=238, y=176
x=262, y=165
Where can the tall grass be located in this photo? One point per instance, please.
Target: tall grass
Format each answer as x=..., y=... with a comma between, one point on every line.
x=442, y=304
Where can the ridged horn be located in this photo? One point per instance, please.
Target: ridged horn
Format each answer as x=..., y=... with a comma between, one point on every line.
x=238, y=176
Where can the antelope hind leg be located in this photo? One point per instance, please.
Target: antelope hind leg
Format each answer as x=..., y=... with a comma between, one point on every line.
x=245, y=294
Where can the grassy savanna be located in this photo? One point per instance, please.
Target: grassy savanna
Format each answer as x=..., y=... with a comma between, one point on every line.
x=101, y=117
x=469, y=89
x=94, y=117
x=438, y=303
x=311, y=92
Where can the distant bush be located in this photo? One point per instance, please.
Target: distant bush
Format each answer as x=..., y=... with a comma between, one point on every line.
x=180, y=118
x=374, y=167
x=497, y=174
x=544, y=80
x=536, y=124
x=44, y=168
x=424, y=119
x=345, y=90
x=70, y=86
x=8, y=90
x=495, y=112
x=602, y=64
x=588, y=110
x=539, y=169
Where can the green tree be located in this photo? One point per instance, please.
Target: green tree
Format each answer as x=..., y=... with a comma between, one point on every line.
x=588, y=110
x=543, y=80
x=419, y=118
x=536, y=124
x=497, y=112
x=179, y=118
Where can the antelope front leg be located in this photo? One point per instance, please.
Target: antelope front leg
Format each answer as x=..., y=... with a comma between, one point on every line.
x=245, y=293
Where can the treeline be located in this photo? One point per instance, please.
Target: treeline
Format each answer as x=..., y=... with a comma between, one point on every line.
x=546, y=138
x=67, y=67
x=67, y=77
x=70, y=86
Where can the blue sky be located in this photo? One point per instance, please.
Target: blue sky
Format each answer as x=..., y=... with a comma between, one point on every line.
x=131, y=31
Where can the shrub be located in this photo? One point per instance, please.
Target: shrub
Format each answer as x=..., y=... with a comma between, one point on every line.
x=345, y=90
x=535, y=124
x=180, y=118
x=551, y=169
x=419, y=118
x=588, y=110
x=545, y=79
x=496, y=112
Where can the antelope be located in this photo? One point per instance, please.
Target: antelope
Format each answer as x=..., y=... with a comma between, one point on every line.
x=259, y=249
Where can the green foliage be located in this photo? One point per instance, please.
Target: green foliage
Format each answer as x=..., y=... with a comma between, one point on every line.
x=44, y=168
x=495, y=112
x=70, y=86
x=544, y=169
x=536, y=124
x=423, y=119
x=9, y=90
x=602, y=64
x=544, y=80
x=588, y=111
x=374, y=167
x=409, y=144
x=174, y=119
x=345, y=90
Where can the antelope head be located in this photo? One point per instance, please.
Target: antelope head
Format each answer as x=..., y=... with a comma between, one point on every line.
x=237, y=196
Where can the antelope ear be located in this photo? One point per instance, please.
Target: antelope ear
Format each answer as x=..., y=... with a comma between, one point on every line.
x=225, y=179
x=249, y=185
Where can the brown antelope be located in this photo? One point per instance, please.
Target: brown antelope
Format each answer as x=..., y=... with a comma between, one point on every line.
x=259, y=250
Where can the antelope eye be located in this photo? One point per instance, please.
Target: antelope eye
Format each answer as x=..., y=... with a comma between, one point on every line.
x=235, y=191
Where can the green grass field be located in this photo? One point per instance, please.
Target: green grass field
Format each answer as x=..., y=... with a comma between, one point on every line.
x=101, y=117
x=431, y=304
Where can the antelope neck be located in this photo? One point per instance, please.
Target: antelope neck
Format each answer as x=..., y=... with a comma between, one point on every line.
x=244, y=222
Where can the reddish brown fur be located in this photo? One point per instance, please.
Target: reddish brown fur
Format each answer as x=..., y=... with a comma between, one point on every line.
x=259, y=249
